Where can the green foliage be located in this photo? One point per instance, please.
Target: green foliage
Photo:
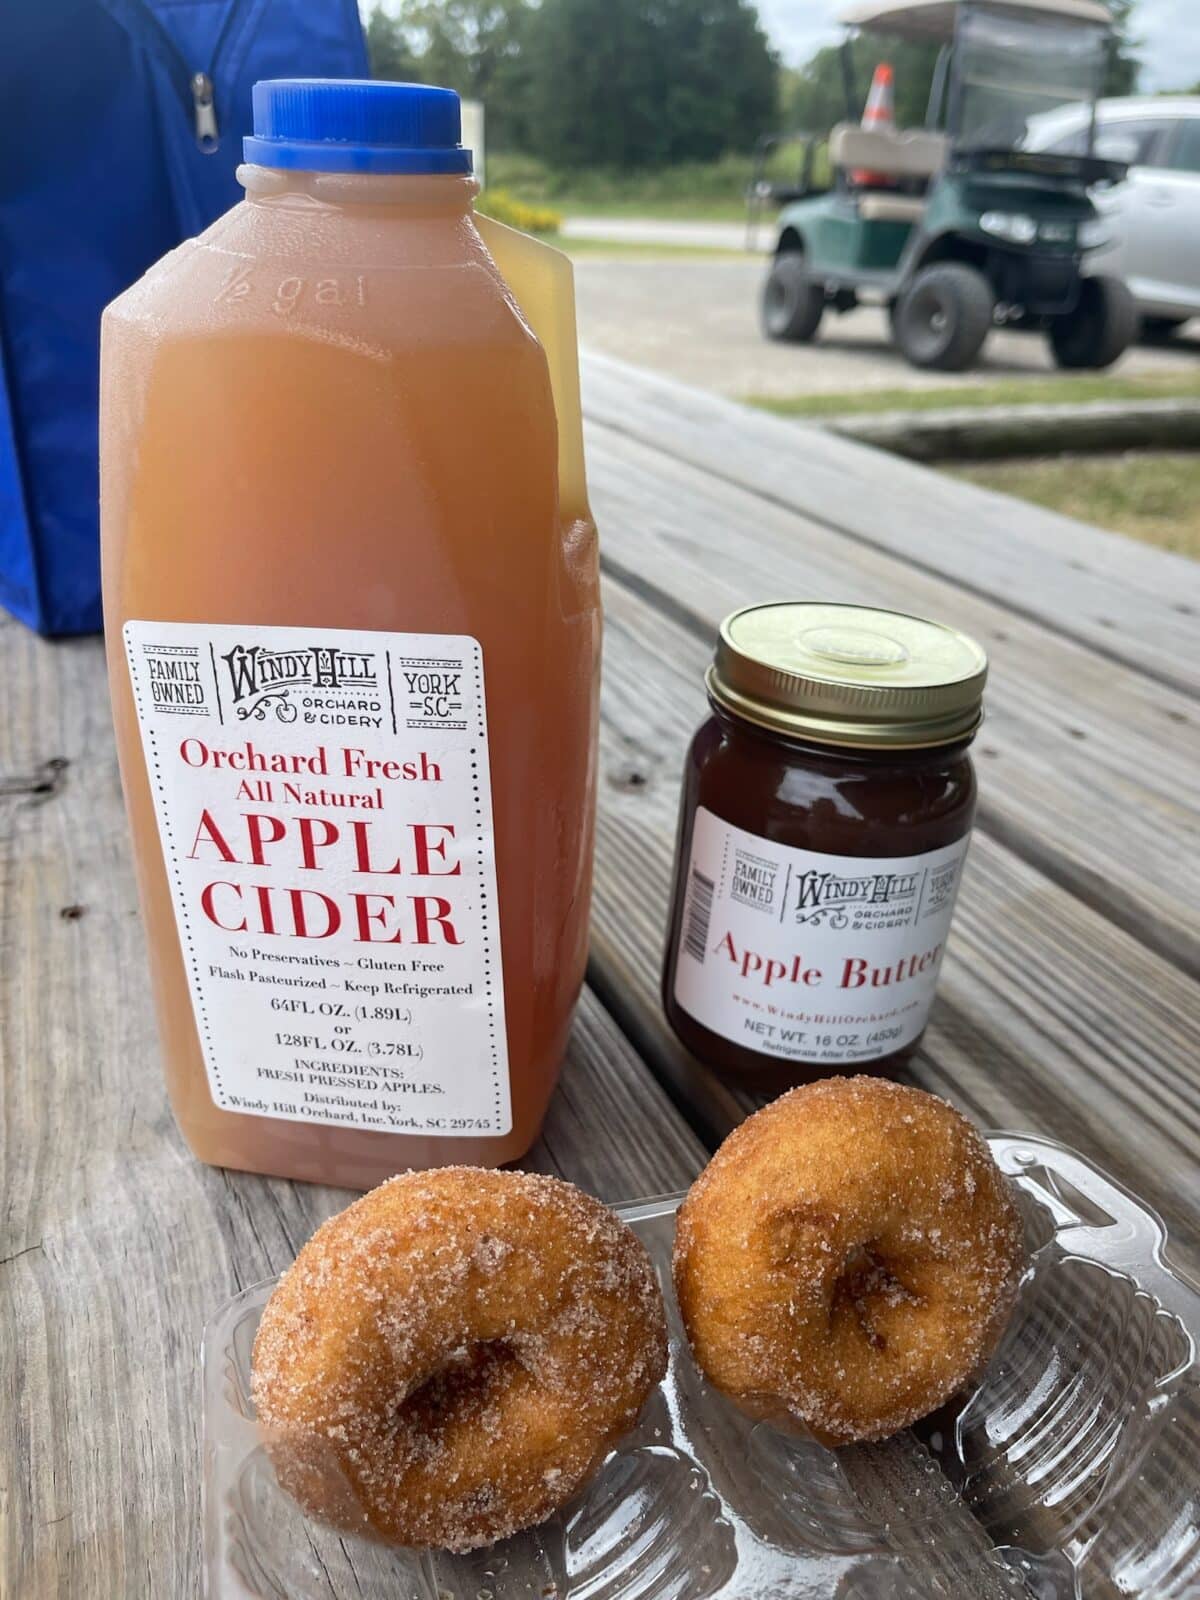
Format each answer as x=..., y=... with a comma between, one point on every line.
x=624, y=83
x=686, y=189
x=461, y=43
x=503, y=206
x=617, y=83
x=474, y=46
x=389, y=50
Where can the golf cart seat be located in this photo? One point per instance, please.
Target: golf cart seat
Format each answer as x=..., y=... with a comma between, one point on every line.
x=912, y=153
x=881, y=207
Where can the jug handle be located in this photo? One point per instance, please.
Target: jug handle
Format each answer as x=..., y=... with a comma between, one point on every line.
x=542, y=282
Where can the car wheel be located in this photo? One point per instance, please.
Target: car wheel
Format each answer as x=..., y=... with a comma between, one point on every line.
x=1102, y=326
x=943, y=317
x=792, y=304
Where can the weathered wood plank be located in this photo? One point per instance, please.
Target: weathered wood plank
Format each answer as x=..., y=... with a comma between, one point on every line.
x=115, y=1245
x=994, y=433
x=1128, y=602
x=1048, y=1017
x=1089, y=768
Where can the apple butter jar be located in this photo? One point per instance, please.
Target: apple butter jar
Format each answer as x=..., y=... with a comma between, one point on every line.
x=826, y=810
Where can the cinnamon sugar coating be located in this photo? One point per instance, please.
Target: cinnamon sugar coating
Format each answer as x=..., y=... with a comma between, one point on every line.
x=848, y=1258
x=452, y=1356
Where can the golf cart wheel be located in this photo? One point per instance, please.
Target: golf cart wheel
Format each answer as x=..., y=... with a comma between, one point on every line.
x=1102, y=326
x=791, y=303
x=943, y=317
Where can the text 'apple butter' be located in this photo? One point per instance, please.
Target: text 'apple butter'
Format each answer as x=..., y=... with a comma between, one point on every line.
x=826, y=810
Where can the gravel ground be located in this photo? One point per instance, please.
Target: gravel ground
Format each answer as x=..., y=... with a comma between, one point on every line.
x=697, y=320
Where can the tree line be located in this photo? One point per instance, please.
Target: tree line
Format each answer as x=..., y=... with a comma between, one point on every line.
x=645, y=83
x=593, y=83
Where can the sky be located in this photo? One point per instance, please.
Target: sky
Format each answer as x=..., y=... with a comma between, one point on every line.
x=1169, y=29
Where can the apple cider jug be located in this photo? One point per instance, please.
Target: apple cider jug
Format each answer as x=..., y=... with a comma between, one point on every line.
x=352, y=610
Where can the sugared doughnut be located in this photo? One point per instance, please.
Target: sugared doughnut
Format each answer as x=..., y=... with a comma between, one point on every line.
x=452, y=1356
x=848, y=1258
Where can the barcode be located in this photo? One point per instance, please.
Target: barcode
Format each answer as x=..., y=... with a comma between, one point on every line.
x=699, y=912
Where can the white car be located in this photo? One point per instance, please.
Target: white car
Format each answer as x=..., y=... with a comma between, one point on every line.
x=1155, y=210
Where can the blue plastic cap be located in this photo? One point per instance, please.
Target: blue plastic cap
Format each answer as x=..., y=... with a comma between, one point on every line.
x=356, y=125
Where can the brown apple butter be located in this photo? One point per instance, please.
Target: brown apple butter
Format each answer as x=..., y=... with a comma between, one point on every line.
x=826, y=809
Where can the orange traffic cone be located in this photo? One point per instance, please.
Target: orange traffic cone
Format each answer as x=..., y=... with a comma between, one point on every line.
x=879, y=114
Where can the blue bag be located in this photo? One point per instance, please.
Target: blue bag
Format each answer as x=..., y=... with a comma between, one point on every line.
x=121, y=124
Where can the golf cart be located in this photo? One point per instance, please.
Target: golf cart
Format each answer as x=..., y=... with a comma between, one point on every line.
x=765, y=193
x=956, y=227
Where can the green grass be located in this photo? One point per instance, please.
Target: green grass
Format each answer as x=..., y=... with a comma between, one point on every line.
x=1153, y=496
x=1005, y=392
x=699, y=191
x=680, y=209
x=644, y=250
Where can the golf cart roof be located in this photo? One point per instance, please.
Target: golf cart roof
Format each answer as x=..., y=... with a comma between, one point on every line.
x=934, y=19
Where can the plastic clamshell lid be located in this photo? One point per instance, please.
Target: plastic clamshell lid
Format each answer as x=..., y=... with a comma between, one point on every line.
x=1069, y=1471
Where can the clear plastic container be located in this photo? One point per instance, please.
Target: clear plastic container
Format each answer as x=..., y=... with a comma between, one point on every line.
x=1069, y=1474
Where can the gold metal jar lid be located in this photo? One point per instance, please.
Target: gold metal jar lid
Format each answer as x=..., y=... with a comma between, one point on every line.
x=848, y=675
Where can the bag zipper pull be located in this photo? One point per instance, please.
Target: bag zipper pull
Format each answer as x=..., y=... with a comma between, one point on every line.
x=207, y=133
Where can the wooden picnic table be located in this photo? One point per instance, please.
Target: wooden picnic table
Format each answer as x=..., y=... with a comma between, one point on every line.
x=1069, y=1002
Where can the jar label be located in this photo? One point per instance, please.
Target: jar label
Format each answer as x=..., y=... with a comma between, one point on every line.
x=811, y=957
x=324, y=804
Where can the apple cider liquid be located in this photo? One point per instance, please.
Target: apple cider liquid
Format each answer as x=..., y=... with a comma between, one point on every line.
x=351, y=601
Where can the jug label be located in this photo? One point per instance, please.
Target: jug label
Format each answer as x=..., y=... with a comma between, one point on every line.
x=324, y=804
x=811, y=957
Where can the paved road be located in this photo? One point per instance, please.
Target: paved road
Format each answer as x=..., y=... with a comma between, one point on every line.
x=658, y=230
x=697, y=320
